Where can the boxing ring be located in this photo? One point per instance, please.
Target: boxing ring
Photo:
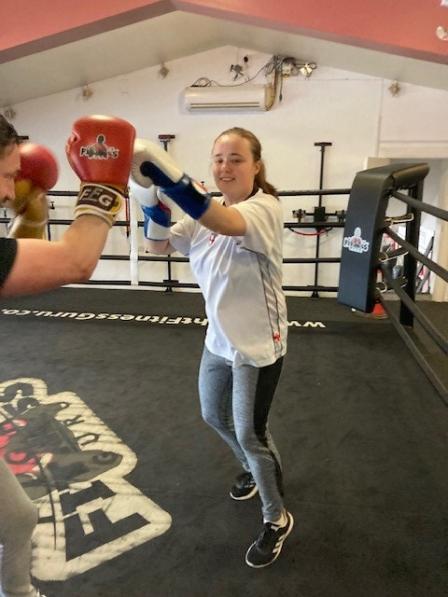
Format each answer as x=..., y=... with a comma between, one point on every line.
x=362, y=257
x=133, y=487
x=407, y=188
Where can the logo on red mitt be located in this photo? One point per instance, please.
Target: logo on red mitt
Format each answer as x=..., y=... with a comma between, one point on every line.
x=99, y=150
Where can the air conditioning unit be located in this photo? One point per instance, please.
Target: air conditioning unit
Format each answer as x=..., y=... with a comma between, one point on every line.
x=241, y=97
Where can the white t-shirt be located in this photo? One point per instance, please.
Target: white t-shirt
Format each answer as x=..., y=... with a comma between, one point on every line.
x=241, y=280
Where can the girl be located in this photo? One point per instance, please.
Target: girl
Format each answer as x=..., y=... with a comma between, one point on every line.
x=235, y=252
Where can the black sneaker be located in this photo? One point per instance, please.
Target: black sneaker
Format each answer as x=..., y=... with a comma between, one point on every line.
x=244, y=488
x=268, y=546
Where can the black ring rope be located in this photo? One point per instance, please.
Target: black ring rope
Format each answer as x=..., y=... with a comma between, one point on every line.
x=415, y=310
x=430, y=209
x=416, y=352
x=430, y=264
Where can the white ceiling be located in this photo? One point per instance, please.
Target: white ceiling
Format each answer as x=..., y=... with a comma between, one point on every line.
x=176, y=34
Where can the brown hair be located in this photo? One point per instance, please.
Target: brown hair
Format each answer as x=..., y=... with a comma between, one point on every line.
x=260, y=181
x=8, y=135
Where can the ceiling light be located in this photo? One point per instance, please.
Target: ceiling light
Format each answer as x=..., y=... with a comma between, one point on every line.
x=163, y=71
x=10, y=113
x=86, y=92
x=442, y=33
x=394, y=88
x=307, y=69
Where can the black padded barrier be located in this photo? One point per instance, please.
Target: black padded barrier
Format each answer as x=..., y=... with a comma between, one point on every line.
x=364, y=225
x=361, y=260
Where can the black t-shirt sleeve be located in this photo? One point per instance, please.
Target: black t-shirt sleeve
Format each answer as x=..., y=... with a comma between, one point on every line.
x=8, y=251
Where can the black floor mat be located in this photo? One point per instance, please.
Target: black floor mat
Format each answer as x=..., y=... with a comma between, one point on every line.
x=101, y=377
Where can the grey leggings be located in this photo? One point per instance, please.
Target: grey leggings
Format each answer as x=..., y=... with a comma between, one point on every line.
x=18, y=517
x=235, y=401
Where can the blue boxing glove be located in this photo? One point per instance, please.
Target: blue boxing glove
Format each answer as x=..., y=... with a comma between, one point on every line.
x=152, y=165
x=156, y=208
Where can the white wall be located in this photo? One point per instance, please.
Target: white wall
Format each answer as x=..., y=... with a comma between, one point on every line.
x=414, y=123
x=354, y=112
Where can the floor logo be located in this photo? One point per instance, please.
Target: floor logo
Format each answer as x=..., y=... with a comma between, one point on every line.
x=74, y=467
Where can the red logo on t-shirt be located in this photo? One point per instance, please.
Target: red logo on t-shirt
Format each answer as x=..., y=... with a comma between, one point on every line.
x=276, y=336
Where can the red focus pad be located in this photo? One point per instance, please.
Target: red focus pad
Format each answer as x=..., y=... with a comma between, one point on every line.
x=100, y=149
x=37, y=165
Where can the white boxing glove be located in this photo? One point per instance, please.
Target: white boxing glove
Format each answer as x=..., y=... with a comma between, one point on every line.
x=156, y=210
x=152, y=165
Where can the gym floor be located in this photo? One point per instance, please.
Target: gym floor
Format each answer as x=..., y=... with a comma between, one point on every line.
x=133, y=486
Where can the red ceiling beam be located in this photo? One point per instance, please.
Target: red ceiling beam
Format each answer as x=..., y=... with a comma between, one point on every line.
x=30, y=26
x=404, y=27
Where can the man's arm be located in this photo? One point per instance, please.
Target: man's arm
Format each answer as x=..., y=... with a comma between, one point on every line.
x=43, y=265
